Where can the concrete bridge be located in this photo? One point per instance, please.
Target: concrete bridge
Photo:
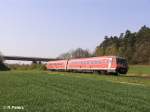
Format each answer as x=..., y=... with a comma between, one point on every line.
x=33, y=59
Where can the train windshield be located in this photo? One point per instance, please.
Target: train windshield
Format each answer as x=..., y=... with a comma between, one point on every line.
x=122, y=61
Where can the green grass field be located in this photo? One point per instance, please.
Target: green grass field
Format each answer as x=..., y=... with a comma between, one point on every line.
x=39, y=91
x=139, y=70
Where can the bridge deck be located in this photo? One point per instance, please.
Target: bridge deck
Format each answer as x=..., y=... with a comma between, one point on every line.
x=21, y=58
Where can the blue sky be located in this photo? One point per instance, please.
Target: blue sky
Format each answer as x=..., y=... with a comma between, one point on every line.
x=47, y=28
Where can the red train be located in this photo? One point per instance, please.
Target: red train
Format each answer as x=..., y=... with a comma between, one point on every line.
x=103, y=64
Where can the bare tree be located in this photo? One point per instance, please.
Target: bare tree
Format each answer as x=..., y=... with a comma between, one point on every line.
x=80, y=53
x=65, y=56
x=77, y=53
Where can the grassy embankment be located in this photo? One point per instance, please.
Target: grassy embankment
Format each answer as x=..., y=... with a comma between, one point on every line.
x=139, y=70
x=74, y=92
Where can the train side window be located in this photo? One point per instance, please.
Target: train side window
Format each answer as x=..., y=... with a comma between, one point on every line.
x=92, y=62
x=96, y=62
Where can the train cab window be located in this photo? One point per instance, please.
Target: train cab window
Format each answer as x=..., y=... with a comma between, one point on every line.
x=122, y=61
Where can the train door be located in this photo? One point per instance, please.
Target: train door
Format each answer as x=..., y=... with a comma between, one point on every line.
x=109, y=63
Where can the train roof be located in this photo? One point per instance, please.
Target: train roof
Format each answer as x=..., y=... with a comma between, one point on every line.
x=88, y=58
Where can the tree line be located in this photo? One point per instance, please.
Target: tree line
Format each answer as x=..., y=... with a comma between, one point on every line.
x=134, y=46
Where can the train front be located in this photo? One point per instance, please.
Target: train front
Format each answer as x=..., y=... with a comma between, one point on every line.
x=122, y=65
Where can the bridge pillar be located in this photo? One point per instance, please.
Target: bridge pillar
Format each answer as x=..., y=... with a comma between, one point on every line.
x=39, y=62
x=34, y=62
